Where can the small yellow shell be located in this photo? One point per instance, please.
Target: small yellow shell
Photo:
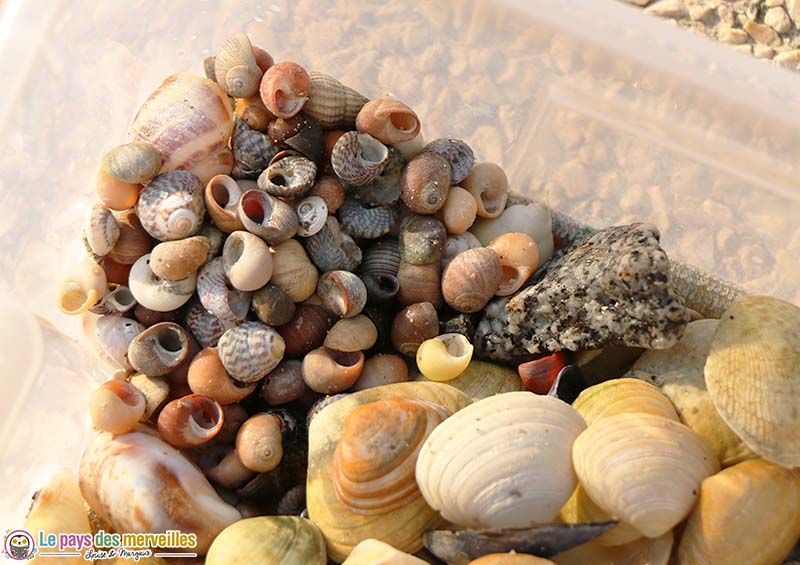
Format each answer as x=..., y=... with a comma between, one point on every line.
x=444, y=357
x=581, y=509
x=375, y=552
x=268, y=540
x=482, y=379
x=116, y=406
x=622, y=396
x=82, y=287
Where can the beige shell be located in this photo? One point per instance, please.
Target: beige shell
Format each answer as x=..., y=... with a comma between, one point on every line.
x=190, y=421
x=471, y=279
x=118, y=299
x=748, y=513
x=328, y=371
x=171, y=206
x=488, y=185
x=331, y=103
x=503, y=462
x=222, y=195
x=482, y=379
x=155, y=391
x=375, y=552
x=292, y=271
x=753, y=376
x=312, y=212
x=533, y=219
x=269, y=540
x=114, y=193
x=459, y=210
x=655, y=551
x=382, y=369
x=270, y=218
x=343, y=529
x=134, y=163
x=622, y=396
x=235, y=67
x=101, y=230
x=114, y=334
x=659, y=491
x=581, y=509
x=176, y=260
x=207, y=376
x=189, y=120
x=343, y=293
x=159, y=349
x=519, y=258
x=250, y=351
x=82, y=287
x=352, y=334
x=155, y=293
x=247, y=261
x=116, y=406
x=259, y=442
x=388, y=120
x=444, y=357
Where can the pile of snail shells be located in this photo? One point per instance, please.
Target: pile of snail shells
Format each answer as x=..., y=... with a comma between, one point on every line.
x=269, y=239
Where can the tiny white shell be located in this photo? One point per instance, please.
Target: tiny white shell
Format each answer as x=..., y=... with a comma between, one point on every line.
x=311, y=215
x=114, y=335
x=155, y=293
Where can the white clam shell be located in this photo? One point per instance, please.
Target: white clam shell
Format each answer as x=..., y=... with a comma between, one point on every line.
x=114, y=335
x=502, y=462
x=247, y=261
x=533, y=219
x=312, y=212
x=158, y=294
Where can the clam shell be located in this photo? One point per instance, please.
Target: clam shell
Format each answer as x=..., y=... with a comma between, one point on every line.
x=133, y=240
x=230, y=305
x=266, y=540
x=457, y=153
x=330, y=250
x=222, y=197
x=482, y=379
x=114, y=335
x=83, y=286
x=363, y=222
x=388, y=120
x=272, y=306
x=376, y=552
x=422, y=240
x=378, y=270
x=352, y=334
x=171, y=206
x=312, y=213
x=580, y=509
x=205, y=327
x=285, y=88
x=189, y=120
x=358, y=158
x=532, y=219
x=331, y=103
x=306, y=330
x=101, y=231
x=158, y=294
x=342, y=528
x=290, y=177
x=659, y=491
x=252, y=151
x=247, y=261
x=753, y=376
x=292, y=271
x=271, y=219
x=159, y=349
x=488, y=185
x=250, y=351
x=413, y=325
x=471, y=279
x=519, y=258
x=425, y=182
x=516, y=442
x=382, y=369
x=117, y=300
x=235, y=67
x=134, y=163
x=343, y=293
x=623, y=396
x=419, y=283
x=176, y=260
x=383, y=190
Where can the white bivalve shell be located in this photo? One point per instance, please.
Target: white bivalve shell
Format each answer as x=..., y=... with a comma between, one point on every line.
x=503, y=462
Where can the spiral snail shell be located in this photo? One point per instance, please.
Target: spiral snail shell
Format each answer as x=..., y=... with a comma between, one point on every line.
x=290, y=177
x=247, y=261
x=135, y=163
x=471, y=279
x=378, y=270
x=343, y=293
x=269, y=218
x=312, y=213
x=101, y=231
x=235, y=67
x=116, y=407
x=425, y=182
x=358, y=158
x=171, y=206
x=331, y=103
x=252, y=151
x=230, y=305
x=114, y=335
x=273, y=306
x=363, y=222
x=176, y=260
x=250, y=351
x=422, y=240
x=292, y=271
x=388, y=120
x=118, y=299
x=331, y=250
x=457, y=153
x=383, y=190
x=82, y=287
x=158, y=294
x=285, y=88
x=205, y=327
x=159, y=349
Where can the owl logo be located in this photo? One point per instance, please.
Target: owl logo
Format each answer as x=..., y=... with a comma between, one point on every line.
x=19, y=545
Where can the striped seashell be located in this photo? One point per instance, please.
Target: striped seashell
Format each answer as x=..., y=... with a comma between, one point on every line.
x=331, y=250
x=383, y=190
x=290, y=177
x=312, y=213
x=331, y=103
x=101, y=231
x=205, y=327
x=458, y=154
x=189, y=120
x=379, y=269
x=118, y=300
x=235, y=67
x=252, y=151
x=230, y=305
x=250, y=351
x=172, y=206
x=269, y=218
x=366, y=223
x=358, y=158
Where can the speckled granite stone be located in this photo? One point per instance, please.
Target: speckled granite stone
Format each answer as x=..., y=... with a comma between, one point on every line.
x=611, y=287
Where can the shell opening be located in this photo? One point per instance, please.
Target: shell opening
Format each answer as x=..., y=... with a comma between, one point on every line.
x=372, y=150
x=221, y=194
x=204, y=413
x=234, y=248
x=403, y=121
x=123, y=298
x=457, y=345
x=345, y=358
x=288, y=103
x=169, y=340
x=256, y=210
x=508, y=276
x=278, y=178
x=74, y=299
x=126, y=392
x=388, y=284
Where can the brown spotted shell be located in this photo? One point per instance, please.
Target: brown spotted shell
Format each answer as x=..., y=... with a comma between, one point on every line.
x=457, y=153
x=176, y=260
x=425, y=182
x=172, y=206
x=290, y=177
x=250, y=351
x=331, y=103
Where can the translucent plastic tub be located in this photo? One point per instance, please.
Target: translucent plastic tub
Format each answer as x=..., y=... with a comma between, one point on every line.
x=607, y=114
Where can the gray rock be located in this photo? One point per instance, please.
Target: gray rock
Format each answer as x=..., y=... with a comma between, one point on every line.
x=609, y=288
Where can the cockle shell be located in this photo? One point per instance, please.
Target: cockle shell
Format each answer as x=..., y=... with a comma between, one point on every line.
x=230, y=305
x=383, y=190
x=459, y=210
x=419, y=283
x=343, y=293
x=482, y=379
x=270, y=218
x=659, y=491
x=331, y=103
x=114, y=335
x=189, y=120
x=285, y=88
x=456, y=244
x=250, y=351
x=138, y=483
x=748, y=513
x=421, y=240
x=519, y=258
x=159, y=349
x=252, y=151
x=413, y=325
x=358, y=158
x=425, y=182
x=457, y=153
x=312, y=213
x=488, y=185
x=133, y=240
x=247, y=261
x=342, y=528
x=376, y=552
x=753, y=376
x=331, y=250
x=222, y=197
x=503, y=462
x=134, y=163
x=388, y=120
x=205, y=327
x=292, y=271
x=622, y=396
x=269, y=540
x=471, y=279
x=235, y=67
x=116, y=406
x=117, y=300
x=158, y=294
x=176, y=260
x=101, y=231
x=171, y=206
x=352, y=334
x=444, y=357
x=363, y=222
x=82, y=287
x=378, y=269
x=290, y=177
x=190, y=421
x=382, y=369
x=533, y=219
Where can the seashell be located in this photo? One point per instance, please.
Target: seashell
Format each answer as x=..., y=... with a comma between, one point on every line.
x=457, y=153
x=581, y=509
x=657, y=493
x=189, y=120
x=329, y=140
x=285, y=88
x=171, y=206
x=265, y=540
x=539, y=375
x=138, y=483
x=312, y=212
x=230, y=305
x=363, y=222
x=155, y=293
x=208, y=68
x=471, y=279
x=234, y=417
x=306, y=330
x=330, y=189
x=352, y=334
x=413, y=325
x=756, y=503
x=224, y=467
x=753, y=375
x=342, y=528
x=519, y=258
x=533, y=219
x=101, y=231
x=252, y=112
x=623, y=396
x=235, y=67
x=457, y=244
x=388, y=120
x=222, y=197
x=271, y=219
x=150, y=317
x=459, y=210
x=116, y=407
x=263, y=59
x=207, y=376
x=511, y=558
x=383, y=190
x=83, y=286
x=176, y=260
x=331, y=250
x=159, y=349
x=300, y=133
x=190, y=420
x=284, y=383
x=114, y=335
x=247, y=261
x=118, y=300
x=343, y=293
x=133, y=240
x=516, y=441
x=488, y=185
x=358, y=158
x=331, y=103
x=328, y=371
x=115, y=194
x=375, y=552
x=654, y=551
x=292, y=271
x=252, y=151
x=205, y=327
x=378, y=270
x=412, y=148
x=419, y=283
x=481, y=380
x=421, y=240
x=290, y=177
x=444, y=357
x=425, y=182
x=272, y=306
x=133, y=163
x=155, y=391
x=250, y=351
x=259, y=443
x=382, y=369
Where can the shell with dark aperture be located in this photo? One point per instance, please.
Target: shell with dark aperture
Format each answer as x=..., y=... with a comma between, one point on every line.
x=158, y=294
x=226, y=304
x=358, y=158
x=312, y=213
x=252, y=151
x=205, y=327
x=101, y=231
x=253, y=112
x=379, y=269
x=363, y=222
x=250, y=351
x=236, y=69
x=222, y=197
x=331, y=250
x=343, y=293
x=458, y=154
x=332, y=103
x=422, y=240
x=389, y=120
x=269, y=218
x=290, y=177
x=159, y=349
x=172, y=206
x=383, y=190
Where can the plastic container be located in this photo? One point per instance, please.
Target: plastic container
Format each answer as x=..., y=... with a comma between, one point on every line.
x=605, y=113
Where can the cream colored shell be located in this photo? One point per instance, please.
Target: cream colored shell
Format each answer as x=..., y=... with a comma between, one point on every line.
x=482, y=379
x=375, y=552
x=581, y=509
x=533, y=219
x=622, y=396
x=269, y=540
x=444, y=357
x=652, y=551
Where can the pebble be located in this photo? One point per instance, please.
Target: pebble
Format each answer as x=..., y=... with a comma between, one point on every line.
x=763, y=52
x=668, y=9
x=733, y=36
x=700, y=13
x=793, y=7
x=761, y=33
x=778, y=19
x=789, y=58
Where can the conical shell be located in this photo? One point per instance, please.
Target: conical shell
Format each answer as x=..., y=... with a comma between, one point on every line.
x=378, y=270
x=358, y=158
x=271, y=219
x=252, y=151
x=82, y=287
x=235, y=67
x=290, y=177
x=342, y=528
x=189, y=120
x=172, y=206
x=582, y=509
x=482, y=379
x=134, y=163
x=331, y=250
x=269, y=540
x=230, y=305
x=363, y=222
x=748, y=513
x=331, y=103
x=253, y=112
x=388, y=120
x=293, y=272
x=425, y=182
x=250, y=351
x=622, y=396
x=176, y=260
x=101, y=231
x=659, y=491
x=753, y=376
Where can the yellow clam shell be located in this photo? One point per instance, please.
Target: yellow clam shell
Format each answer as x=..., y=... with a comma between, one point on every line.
x=481, y=379
x=268, y=540
x=581, y=509
x=343, y=529
x=652, y=551
x=622, y=396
